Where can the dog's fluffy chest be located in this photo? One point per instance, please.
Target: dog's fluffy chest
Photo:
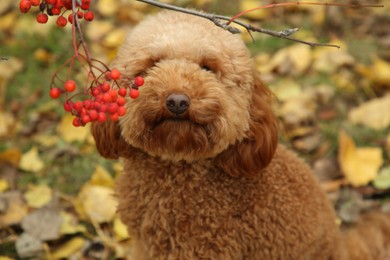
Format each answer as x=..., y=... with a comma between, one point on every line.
x=185, y=199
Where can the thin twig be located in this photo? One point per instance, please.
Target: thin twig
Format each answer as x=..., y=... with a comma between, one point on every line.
x=217, y=20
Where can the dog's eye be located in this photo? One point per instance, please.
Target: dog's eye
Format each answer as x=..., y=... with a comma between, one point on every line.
x=206, y=68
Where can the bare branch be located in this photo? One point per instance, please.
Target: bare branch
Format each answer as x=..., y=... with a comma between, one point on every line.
x=218, y=21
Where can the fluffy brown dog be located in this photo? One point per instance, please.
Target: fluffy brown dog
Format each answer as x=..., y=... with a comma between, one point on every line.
x=204, y=176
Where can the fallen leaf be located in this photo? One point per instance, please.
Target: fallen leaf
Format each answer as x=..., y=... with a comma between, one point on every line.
x=97, y=203
x=115, y=38
x=69, y=248
x=14, y=208
x=5, y=258
x=11, y=156
x=359, y=165
x=31, y=161
x=382, y=181
x=120, y=230
x=70, y=133
x=28, y=246
x=107, y=8
x=286, y=89
x=293, y=60
x=329, y=60
x=43, y=224
x=70, y=224
x=250, y=4
x=101, y=177
x=374, y=113
x=378, y=72
x=7, y=122
x=38, y=196
x=3, y=185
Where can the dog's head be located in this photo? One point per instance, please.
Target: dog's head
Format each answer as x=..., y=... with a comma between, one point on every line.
x=202, y=98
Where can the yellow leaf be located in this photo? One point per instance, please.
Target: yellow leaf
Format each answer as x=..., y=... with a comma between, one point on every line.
x=70, y=225
x=5, y=258
x=69, y=248
x=249, y=4
x=38, y=196
x=101, y=177
x=16, y=210
x=97, y=203
x=31, y=161
x=120, y=230
x=330, y=59
x=359, y=165
x=7, y=21
x=46, y=140
x=3, y=185
x=374, y=113
x=294, y=59
x=11, y=156
x=115, y=38
x=107, y=7
x=378, y=72
x=70, y=133
x=286, y=89
x=7, y=121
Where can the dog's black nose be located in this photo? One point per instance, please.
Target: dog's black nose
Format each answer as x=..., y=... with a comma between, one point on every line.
x=177, y=103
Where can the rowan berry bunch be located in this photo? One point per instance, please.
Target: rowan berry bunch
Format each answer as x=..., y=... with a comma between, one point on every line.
x=104, y=99
x=59, y=8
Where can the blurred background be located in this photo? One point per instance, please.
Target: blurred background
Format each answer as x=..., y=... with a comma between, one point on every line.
x=334, y=107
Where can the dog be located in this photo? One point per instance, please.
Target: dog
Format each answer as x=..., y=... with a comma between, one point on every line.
x=204, y=176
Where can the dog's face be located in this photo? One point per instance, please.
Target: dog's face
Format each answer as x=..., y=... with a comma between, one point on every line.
x=198, y=98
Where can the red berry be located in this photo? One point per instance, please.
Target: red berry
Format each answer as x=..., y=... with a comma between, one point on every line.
x=139, y=81
x=76, y=122
x=70, y=85
x=115, y=74
x=122, y=92
x=51, y=2
x=35, y=2
x=121, y=111
x=55, y=10
x=105, y=86
x=87, y=104
x=70, y=17
x=93, y=114
x=85, y=119
x=121, y=101
x=78, y=105
x=68, y=106
x=114, y=117
x=55, y=93
x=88, y=16
x=24, y=6
x=103, y=108
x=113, y=108
x=80, y=14
x=107, y=75
x=61, y=21
x=42, y=18
x=102, y=117
x=107, y=97
x=113, y=94
x=95, y=91
x=134, y=93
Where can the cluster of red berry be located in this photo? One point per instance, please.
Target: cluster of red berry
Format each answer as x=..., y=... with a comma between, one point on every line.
x=104, y=102
x=58, y=7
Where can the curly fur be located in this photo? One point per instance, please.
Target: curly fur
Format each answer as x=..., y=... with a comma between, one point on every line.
x=211, y=183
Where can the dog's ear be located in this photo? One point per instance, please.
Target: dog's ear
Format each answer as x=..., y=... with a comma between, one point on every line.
x=109, y=141
x=249, y=156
